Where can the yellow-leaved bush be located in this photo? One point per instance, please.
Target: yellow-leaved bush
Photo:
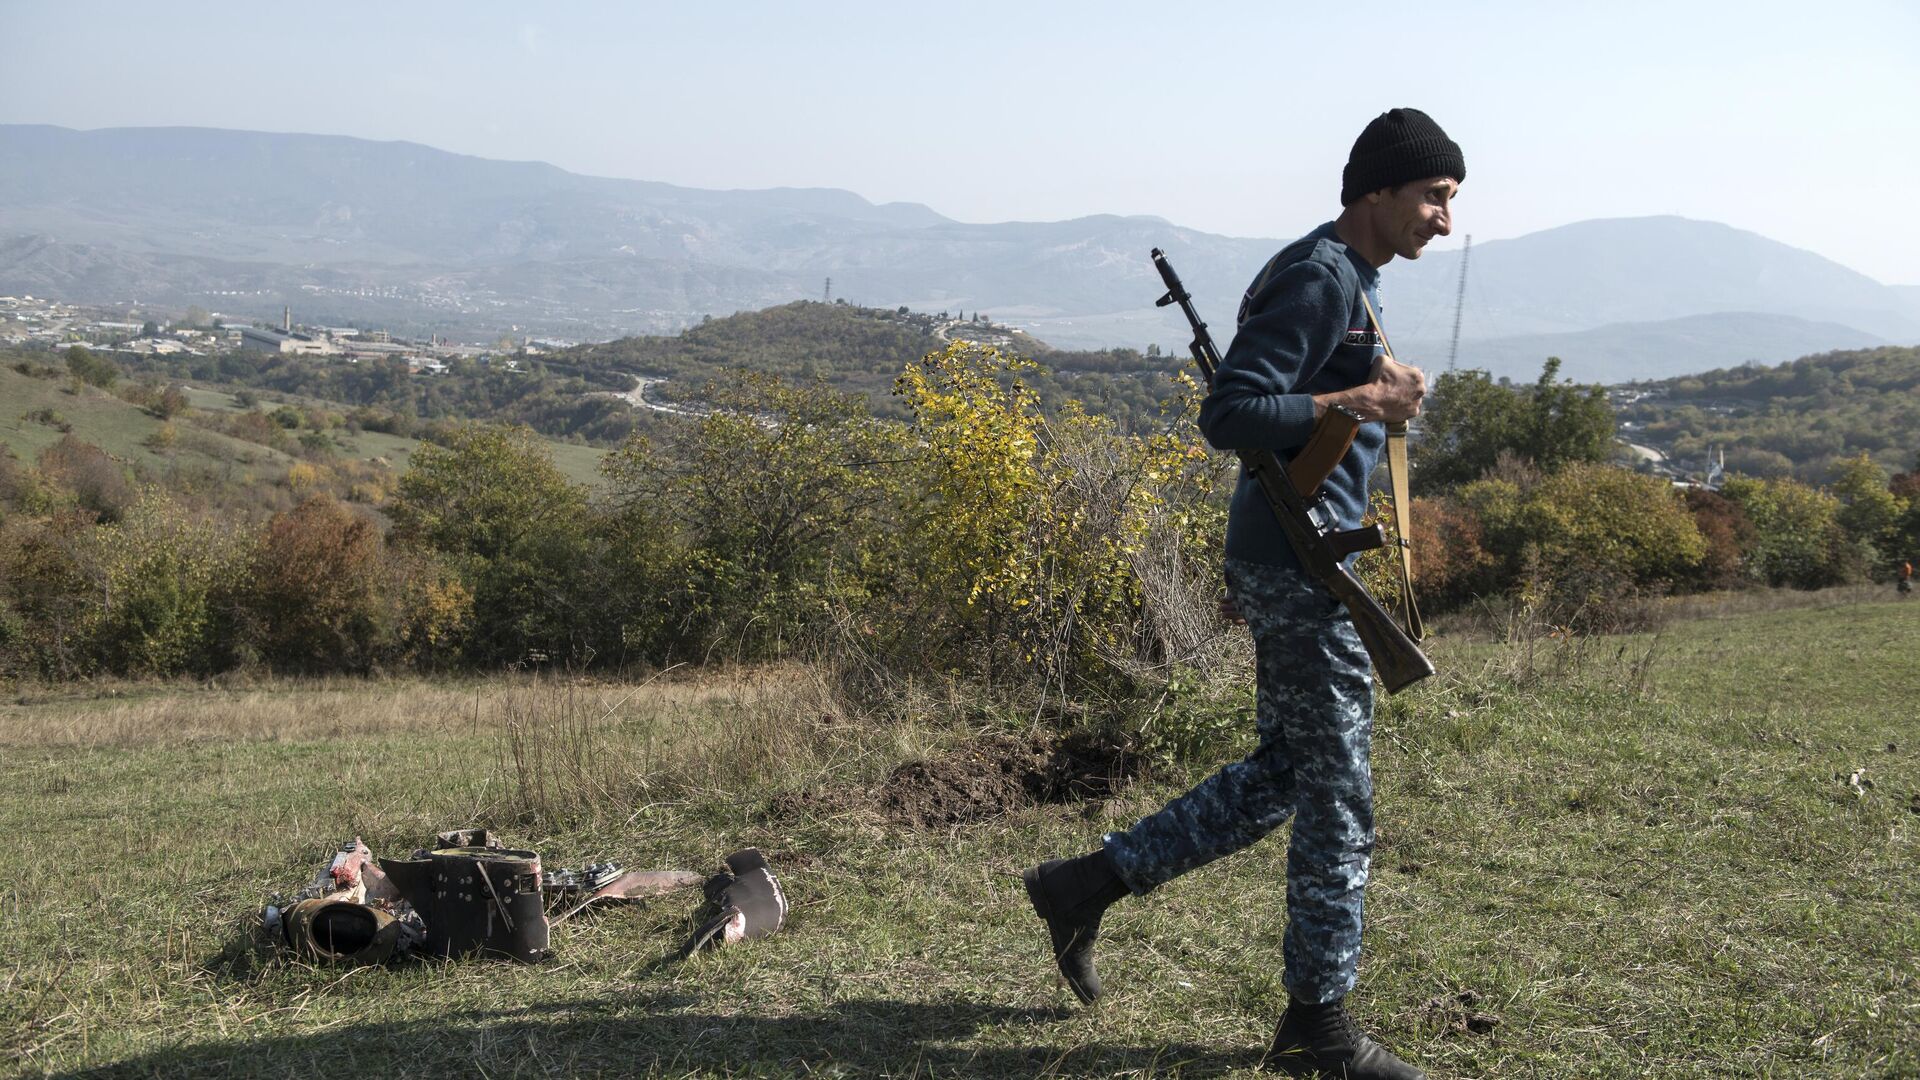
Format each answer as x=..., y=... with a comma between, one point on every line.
x=1063, y=548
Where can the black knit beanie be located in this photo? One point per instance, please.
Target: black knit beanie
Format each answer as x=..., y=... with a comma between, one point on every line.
x=1398, y=146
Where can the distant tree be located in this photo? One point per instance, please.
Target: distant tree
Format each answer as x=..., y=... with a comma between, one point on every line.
x=1471, y=420
x=197, y=317
x=171, y=402
x=1869, y=512
x=91, y=368
x=149, y=329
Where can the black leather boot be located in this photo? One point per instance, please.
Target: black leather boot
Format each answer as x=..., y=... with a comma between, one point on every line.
x=1071, y=895
x=1322, y=1040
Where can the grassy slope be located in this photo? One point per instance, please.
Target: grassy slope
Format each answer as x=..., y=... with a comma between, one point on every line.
x=1673, y=883
x=120, y=429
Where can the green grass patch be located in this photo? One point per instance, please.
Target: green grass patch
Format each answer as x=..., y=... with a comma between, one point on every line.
x=1690, y=854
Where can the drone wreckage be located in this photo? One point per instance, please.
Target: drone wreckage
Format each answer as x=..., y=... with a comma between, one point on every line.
x=468, y=895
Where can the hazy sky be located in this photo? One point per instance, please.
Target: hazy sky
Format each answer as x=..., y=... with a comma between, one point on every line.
x=1797, y=120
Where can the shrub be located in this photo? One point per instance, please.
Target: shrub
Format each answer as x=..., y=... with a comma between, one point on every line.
x=1729, y=535
x=316, y=598
x=432, y=609
x=1451, y=564
x=170, y=402
x=1631, y=525
x=766, y=514
x=1057, y=553
x=53, y=418
x=98, y=482
x=518, y=532
x=1799, y=541
x=92, y=369
x=47, y=588
x=164, y=573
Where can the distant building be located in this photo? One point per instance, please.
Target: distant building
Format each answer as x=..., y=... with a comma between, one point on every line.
x=275, y=340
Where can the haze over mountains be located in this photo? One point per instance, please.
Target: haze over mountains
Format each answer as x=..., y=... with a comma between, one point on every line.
x=414, y=238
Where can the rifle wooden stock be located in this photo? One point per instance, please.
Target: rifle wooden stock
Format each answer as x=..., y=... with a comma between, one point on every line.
x=1396, y=657
x=1332, y=438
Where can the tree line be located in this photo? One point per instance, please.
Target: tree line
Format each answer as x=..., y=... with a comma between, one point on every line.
x=987, y=538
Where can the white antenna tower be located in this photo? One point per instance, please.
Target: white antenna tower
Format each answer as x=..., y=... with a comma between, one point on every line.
x=827, y=295
x=1459, y=304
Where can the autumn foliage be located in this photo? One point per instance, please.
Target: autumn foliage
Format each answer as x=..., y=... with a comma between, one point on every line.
x=985, y=538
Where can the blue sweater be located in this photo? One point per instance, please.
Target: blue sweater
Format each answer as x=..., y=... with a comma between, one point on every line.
x=1303, y=331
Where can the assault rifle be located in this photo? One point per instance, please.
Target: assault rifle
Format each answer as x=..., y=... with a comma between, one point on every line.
x=1301, y=510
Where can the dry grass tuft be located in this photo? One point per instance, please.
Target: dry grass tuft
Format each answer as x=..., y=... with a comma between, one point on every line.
x=570, y=750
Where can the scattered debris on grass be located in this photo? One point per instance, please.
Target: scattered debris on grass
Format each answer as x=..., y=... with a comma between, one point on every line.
x=1859, y=783
x=469, y=895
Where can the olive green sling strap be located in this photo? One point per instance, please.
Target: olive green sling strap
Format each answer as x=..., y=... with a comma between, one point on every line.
x=1397, y=481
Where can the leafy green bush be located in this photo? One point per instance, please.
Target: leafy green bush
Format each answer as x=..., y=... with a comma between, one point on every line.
x=1062, y=552
x=92, y=369
x=519, y=534
x=47, y=576
x=1798, y=538
x=164, y=573
x=776, y=510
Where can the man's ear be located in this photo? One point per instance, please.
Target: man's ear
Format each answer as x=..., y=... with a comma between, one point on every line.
x=1373, y=197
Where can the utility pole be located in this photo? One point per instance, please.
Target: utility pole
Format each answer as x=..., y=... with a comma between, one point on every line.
x=1459, y=304
x=826, y=296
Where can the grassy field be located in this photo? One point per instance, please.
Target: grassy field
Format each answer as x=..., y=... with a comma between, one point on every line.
x=1688, y=854
x=125, y=431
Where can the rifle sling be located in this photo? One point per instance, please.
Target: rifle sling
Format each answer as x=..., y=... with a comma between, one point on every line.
x=1397, y=480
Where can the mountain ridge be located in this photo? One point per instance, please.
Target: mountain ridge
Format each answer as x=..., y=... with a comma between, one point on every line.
x=348, y=229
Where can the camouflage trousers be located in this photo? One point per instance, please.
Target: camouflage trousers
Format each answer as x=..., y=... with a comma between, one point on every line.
x=1315, y=721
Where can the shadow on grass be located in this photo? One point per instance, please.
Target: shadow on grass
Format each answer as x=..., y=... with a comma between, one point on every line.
x=674, y=1034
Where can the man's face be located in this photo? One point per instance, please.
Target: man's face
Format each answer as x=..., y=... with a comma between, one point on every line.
x=1415, y=212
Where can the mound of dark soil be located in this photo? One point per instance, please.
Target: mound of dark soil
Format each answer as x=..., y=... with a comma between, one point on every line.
x=999, y=773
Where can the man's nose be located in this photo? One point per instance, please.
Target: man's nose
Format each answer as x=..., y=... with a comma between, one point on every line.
x=1443, y=223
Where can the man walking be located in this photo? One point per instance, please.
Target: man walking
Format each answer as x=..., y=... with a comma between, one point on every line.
x=1307, y=341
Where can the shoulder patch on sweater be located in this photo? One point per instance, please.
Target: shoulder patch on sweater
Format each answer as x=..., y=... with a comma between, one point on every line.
x=1362, y=336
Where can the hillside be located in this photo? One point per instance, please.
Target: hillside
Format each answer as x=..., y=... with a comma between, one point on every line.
x=861, y=350
x=1797, y=417
x=424, y=241
x=198, y=452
